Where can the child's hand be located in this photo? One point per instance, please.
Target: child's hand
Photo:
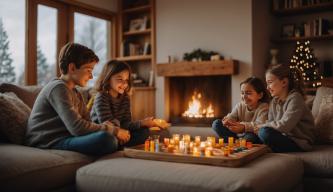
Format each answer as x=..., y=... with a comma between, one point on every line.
x=236, y=127
x=161, y=123
x=227, y=122
x=148, y=122
x=123, y=136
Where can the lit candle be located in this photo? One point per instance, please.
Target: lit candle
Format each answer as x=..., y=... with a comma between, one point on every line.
x=196, y=151
x=249, y=145
x=230, y=141
x=202, y=146
x=181, y=146
x=243, y=142
x=152, y=145
x=191, y=147
x=197, y=140
x=147, y=143
x=187, y=138
x=212, y=140
x=172, y=141
x=208, y=151
x=170, y=148
x=226, y=151
x=221, y=142
x=176, y=137
x=166, y=142
x=209, y=143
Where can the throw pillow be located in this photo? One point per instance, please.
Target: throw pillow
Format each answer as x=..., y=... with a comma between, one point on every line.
x=14, y=116
x=324, y=121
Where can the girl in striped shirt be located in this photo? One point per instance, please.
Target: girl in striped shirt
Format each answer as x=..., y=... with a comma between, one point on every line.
x=112, y=103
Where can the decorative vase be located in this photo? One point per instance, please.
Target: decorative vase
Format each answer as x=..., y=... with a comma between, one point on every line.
x=274, y=53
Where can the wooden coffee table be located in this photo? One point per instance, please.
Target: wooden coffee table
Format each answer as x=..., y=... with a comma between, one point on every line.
x=218, y=159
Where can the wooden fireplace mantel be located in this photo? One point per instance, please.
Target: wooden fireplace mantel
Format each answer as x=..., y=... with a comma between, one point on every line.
x=202, y=68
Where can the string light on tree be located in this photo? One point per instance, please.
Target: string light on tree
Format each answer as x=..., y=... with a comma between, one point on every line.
x=304, y=60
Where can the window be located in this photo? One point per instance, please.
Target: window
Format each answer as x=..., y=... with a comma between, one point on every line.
x=51, y=24
x=12, y=41
x=93, y=32
x=46, y=44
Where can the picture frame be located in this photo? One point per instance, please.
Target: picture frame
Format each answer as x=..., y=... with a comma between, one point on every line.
x=138, y=24
x=288, y=30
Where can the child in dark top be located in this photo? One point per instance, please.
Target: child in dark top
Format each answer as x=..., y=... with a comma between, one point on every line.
x=246, y=117
x=59, y=119
x=112, y=102
x=290, y=124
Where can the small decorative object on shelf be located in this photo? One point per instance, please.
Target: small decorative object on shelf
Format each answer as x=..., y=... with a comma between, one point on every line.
x=274, y=53
x=304, y=60
x=200, y=55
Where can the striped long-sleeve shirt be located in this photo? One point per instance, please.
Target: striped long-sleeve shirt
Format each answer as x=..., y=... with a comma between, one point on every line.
x=116, y=110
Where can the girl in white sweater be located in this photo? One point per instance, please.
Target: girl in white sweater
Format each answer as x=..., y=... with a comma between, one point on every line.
x=246, y=116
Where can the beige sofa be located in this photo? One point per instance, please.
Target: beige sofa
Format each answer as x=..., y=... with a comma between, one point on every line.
x=24, y=168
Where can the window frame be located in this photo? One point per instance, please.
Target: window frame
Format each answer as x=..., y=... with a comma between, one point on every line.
x=65, y=30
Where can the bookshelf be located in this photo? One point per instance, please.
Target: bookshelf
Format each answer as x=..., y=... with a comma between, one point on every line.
x=301, y=20
x=136, y=46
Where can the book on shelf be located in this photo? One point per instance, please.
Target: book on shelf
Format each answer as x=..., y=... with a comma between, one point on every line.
x=316, y=27
x=146, y=48
x=289, y=4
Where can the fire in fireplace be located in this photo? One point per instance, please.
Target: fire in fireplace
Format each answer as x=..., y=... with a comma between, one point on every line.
x=197, y=109
x=198, y=101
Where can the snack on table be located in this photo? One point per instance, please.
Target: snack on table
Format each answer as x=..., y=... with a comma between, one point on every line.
x=154, y=129
x=162, y=123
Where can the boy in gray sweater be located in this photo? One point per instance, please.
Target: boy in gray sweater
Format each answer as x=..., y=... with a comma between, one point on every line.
x=59, y=119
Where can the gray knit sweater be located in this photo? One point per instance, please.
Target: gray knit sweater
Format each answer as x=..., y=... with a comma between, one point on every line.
x=58, y=113
x=292, y=118
x=116, y=110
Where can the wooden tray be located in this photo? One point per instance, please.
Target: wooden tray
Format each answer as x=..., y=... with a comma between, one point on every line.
x=233, y=160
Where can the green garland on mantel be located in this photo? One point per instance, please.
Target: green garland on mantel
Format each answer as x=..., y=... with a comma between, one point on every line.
x=200, y=55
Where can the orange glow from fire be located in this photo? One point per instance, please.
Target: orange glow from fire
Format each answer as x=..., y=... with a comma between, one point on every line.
x=196, y=110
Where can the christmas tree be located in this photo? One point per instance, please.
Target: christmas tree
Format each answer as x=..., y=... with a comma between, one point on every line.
x=7, y=73
x=43, y=72
x=304, y=60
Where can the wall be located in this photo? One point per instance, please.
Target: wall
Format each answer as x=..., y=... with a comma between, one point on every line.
x=224, y=26
x=262, y=27
x=110, y=5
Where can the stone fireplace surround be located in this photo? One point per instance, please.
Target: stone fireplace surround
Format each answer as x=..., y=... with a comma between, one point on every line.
x=211, y=78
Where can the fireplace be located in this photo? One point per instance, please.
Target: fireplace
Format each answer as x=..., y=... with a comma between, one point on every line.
x=196, y=93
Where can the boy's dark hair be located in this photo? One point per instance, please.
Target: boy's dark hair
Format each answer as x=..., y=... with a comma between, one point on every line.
x=259, y=86
x=111, y=68
x=77, y=54
x=294, y=76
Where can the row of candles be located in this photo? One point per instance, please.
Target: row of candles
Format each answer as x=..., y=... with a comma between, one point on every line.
x=197, y=147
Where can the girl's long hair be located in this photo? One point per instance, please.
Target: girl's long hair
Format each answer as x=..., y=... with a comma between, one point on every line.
x=259, y=86
x=294, y=76
x=111, y=68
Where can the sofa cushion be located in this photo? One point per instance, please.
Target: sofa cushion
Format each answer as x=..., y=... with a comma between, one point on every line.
x=321, y=92
x=271, y=172
x=31, y=169
x=27, y=94
x=318, y=162
x=14, y=116
x=324, y=122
